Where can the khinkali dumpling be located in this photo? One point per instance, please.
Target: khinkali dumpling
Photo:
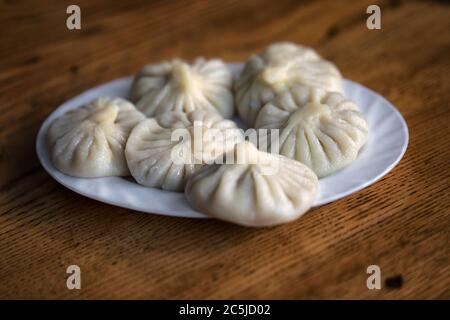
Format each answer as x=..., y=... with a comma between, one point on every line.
x=277, y=67
x=179, y=86
x=321, y=129
x=161, y=151
x=90, y=141
x=262, y=190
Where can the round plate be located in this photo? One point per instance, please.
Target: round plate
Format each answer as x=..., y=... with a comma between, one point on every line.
x=388, y=139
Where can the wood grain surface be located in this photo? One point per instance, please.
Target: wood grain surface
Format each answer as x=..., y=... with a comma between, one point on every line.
x=401, y=223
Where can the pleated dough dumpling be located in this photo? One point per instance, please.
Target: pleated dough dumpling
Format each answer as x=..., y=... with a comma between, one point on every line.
x=262, y=190
x=179, y=86
x=281, y=65
x=318, y=128
x=90, y=141
x=154, y=143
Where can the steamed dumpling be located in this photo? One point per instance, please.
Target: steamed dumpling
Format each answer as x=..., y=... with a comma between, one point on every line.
x=318, y=128
x=160, y=151
x=277, y=67
x=179, y=86
x=260, y=190
x=90, y=141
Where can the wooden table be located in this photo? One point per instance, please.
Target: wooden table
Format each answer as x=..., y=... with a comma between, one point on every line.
x=401, y=223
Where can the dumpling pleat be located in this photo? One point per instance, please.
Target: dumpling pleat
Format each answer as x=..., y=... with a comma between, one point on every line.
x=249, y=195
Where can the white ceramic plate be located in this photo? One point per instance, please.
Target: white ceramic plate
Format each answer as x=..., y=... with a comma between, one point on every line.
x=388, y=139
